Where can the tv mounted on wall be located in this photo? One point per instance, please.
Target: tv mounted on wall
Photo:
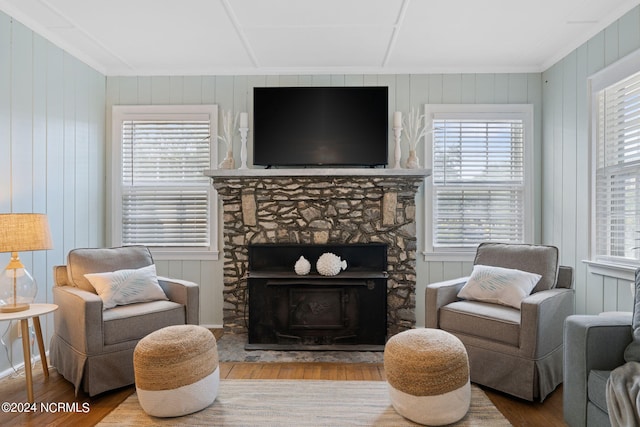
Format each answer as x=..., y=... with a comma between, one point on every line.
x=320, y=126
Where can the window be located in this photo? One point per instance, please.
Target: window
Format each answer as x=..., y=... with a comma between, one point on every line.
x=615, y=98
x=480, y=189
x=161, y=197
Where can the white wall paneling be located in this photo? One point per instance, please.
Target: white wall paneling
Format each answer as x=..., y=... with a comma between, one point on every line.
x=51, y=153
x=566, y=160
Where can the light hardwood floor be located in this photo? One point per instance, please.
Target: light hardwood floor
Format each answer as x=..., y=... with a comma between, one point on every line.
x=57, y=390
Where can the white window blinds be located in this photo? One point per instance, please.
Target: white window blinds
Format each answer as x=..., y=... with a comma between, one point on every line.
x=479, y=190
x=162, y=199
x=617, y=174
x=165, y=196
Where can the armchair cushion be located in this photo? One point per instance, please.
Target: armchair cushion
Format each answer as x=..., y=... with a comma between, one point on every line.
x=499, y=285
x=539, y=259
x=135, y=321
x=488, y=321
x=87, y=261
x=128, y=286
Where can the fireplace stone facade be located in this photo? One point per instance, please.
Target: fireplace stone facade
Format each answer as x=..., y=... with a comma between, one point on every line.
x=319, y=209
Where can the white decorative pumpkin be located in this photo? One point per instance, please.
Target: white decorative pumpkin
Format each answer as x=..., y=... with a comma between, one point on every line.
x=302, y=266
x=330, y=264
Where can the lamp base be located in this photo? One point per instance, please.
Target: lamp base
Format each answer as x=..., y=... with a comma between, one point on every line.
x=14, y=308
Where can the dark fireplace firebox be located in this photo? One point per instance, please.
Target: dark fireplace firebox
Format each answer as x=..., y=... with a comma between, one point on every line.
x=288, y=311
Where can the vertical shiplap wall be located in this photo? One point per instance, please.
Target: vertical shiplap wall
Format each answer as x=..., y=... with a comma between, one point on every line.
x=566, y=160
x=405, y=92
x=52, y=124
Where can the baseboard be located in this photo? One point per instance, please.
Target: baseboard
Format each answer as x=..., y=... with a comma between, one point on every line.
x=20, y=367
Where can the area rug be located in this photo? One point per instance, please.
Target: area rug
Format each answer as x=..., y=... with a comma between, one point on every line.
x=300, y=403
x=231, y=349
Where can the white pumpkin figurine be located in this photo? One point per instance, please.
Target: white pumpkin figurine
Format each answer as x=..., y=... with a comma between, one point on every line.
x=302, y=266
x=330, y=264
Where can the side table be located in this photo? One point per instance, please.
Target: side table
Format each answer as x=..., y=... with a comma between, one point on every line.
x=34, y=312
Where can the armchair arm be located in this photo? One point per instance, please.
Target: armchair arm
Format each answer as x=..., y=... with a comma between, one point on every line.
x=78, y=319
x=440, y=294
x=565, y=277
x=590, y=342
x=185, y=293
x=60, y=277
x=542, y=319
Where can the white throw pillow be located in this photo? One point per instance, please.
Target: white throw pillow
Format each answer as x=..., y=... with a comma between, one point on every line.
x=124, y=287
x=499, y=285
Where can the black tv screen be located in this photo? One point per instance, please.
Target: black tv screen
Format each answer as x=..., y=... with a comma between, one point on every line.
x=320, y=126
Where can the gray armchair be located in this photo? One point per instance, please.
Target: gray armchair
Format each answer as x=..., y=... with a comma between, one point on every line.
x=92, y=347
x=594, y=346
x=515, y=351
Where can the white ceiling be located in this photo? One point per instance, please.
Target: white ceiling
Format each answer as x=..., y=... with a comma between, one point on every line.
x=187, y=37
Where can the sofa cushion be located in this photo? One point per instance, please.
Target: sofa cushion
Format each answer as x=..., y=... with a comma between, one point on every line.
x=134, y=321
x=124, y=287
x=489, y=321
x=539, y=259
x=498, y=285
x=597, y=388
x=94, y=260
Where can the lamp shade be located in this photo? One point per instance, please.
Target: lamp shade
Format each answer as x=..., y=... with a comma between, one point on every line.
x=18, y=233
x=24, y=232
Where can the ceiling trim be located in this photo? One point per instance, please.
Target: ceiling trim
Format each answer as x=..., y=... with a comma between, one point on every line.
x=301, y=71
x=394, y=35
x=243, y=37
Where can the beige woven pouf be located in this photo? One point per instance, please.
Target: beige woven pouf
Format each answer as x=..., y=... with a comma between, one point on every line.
x=176, y=370
x=428, y=375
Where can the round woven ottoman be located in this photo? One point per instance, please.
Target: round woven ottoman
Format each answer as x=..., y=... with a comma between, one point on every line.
x=428, y=375
x=176, y=370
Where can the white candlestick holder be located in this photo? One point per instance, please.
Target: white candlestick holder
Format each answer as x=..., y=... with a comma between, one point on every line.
x=243, y=147
x=397, y=132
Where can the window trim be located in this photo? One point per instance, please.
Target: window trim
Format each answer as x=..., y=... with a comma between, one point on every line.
x=525, y=111
x=127, y=112
x=598, y=81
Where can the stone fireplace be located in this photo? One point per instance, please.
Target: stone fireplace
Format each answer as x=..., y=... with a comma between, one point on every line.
x=320, y=206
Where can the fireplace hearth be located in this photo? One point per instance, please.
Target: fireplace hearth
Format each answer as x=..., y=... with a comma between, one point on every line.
x=313, y=312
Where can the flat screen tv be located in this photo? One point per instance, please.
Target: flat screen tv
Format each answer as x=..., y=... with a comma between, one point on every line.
x=320, y=126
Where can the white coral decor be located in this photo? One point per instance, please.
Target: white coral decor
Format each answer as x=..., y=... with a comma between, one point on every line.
x=330, y=264
x=302, y=266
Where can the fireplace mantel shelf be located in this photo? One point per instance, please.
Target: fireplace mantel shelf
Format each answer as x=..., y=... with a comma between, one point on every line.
x=317, y=172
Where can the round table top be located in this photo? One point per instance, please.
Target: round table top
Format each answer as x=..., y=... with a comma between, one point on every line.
x=35, y=309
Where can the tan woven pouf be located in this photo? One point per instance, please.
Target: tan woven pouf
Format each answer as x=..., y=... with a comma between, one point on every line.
x=428, y=375
x=176, y=370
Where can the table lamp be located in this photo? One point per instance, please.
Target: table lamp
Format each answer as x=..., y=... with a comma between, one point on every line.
x=20, y=232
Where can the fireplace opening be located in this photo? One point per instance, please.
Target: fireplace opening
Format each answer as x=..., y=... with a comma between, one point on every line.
x=313, y=312
x=317, y=308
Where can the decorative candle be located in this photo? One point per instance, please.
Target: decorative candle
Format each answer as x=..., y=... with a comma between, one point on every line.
x=244, y=120
x=397, y=119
